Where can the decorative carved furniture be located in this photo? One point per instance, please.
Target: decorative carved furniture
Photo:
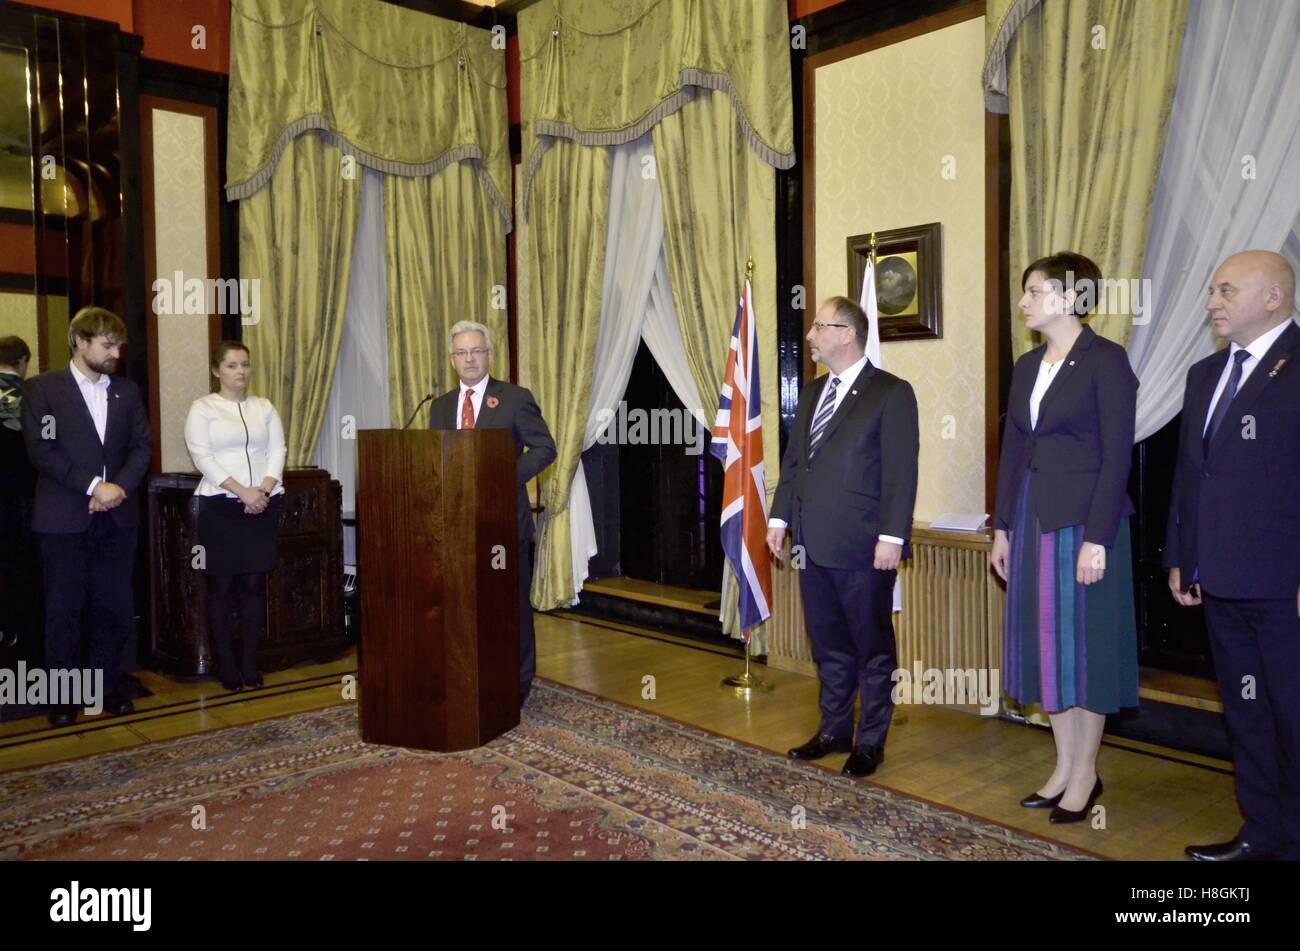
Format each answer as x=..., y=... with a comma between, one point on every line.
x=304, y=603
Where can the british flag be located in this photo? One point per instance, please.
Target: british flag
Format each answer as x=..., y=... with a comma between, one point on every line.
x=738, y=442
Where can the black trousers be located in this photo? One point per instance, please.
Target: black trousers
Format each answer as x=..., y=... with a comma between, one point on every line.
x=849, y=614
x=90, y=568
x=527, y=642
x=1256, y=646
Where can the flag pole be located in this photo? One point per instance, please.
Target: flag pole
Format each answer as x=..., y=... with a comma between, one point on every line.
x=748, y=682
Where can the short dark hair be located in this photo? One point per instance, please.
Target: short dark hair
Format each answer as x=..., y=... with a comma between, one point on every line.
x=13, y=350
x=92, y=322
x=848, y=312
x=1071, y=271
x=220, y=350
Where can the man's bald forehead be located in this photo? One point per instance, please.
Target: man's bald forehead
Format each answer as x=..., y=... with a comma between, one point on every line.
x=1267, y=266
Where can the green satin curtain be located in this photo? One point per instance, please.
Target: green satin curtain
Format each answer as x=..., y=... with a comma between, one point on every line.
x=719, y=201
x=711, y=79
x=446, y=256
x=570, y=209
x=403, y=92
x=1087, y=130
x=295, y=240
x=604, y=72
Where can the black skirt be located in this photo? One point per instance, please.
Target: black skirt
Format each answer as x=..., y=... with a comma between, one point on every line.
x=235, y=543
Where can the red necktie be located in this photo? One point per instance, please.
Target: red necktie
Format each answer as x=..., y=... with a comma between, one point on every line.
x=467, y=411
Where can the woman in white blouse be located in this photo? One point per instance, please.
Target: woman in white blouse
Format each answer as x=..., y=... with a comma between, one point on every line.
x=237, y=443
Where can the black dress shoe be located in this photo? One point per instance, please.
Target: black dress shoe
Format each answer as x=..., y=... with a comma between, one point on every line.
x=821, y=745
x=232, y=684
x=119, y=707
x=253, y=682
x=1234, y=851
x=1060, y=815
x=63, y=716
x=1035, y=801
x=863, y=762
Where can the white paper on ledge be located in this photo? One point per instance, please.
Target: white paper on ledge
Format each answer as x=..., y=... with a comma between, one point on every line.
x=960, y=522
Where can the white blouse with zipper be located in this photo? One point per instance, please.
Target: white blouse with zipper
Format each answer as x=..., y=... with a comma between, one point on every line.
x=241, y=441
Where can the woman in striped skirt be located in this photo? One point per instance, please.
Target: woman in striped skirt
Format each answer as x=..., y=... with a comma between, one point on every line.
x=1061, y=528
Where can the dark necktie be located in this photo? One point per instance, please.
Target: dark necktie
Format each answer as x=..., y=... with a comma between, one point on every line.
x=824, y=414
x=1225, y=398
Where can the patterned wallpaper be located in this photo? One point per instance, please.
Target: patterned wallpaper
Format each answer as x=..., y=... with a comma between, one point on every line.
x=886, y=121
x=18, y=318
x=181, y=244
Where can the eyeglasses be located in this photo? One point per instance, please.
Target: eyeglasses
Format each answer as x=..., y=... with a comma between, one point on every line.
x=476, y=352
x=819, y=326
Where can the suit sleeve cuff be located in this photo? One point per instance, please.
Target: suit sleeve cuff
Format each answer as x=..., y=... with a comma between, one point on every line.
x=892, y=539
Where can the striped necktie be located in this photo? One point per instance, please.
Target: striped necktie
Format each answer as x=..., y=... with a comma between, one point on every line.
x=824, y=414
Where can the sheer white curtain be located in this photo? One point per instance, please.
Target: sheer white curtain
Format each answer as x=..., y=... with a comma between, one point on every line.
x=636, y=302
x=359, y=394
x=1229, y=181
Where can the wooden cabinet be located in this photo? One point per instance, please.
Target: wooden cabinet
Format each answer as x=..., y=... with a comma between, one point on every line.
x=304, y=603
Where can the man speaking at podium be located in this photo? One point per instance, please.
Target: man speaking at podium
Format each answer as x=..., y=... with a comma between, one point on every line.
x=481, y=402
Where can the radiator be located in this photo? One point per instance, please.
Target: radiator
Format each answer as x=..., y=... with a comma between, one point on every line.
x=952, y=607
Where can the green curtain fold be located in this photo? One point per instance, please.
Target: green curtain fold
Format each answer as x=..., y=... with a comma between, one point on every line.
x=566, y=266
x=719, y=201
x=606, y=73
x=295, y=241
x=446, y=261
x=402, y=92
x=1090, y=85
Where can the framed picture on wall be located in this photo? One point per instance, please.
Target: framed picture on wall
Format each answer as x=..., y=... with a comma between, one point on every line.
x=908, y=277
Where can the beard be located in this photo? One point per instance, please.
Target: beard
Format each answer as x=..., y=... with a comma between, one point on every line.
x=107, y=365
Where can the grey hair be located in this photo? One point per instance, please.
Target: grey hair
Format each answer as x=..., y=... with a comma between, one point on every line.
x=467, y=326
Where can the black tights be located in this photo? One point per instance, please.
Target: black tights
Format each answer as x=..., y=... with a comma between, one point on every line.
x=242, y=596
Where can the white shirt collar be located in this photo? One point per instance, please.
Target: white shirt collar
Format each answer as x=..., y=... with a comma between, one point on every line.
x=83, y=380
x=1260, y=345
x=479, y=388
x=851, y=373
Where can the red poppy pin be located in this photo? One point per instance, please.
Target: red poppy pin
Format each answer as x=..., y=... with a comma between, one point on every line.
x=493, y=402
x=1277, y=368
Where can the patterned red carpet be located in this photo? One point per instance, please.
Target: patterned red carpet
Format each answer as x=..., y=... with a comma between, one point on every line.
x=581, y=778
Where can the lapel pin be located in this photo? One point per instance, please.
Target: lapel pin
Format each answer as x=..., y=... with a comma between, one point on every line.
x=1277, y=368
x=853, y=392
x=1071, y=363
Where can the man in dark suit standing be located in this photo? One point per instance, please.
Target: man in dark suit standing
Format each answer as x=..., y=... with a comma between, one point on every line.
x=848, y=485
x=1234, y=540
x=19, y=580
x=480, y=402
x=87, y=435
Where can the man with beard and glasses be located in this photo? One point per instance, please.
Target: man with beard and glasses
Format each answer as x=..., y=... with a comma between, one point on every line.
x=87, y=435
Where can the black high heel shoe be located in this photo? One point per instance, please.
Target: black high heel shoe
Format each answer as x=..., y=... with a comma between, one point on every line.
x=1060, y=815
x=1035, y=801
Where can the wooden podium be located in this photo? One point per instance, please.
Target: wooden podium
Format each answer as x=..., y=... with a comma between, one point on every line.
x=437, y=543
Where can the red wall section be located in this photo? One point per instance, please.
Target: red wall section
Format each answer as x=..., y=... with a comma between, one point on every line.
x=166, y=26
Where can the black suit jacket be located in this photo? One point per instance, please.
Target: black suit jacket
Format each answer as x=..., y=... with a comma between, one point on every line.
x=1080, y=454
x=65, y=450
x=1234, y=521
x=517, y=411
x=862, y=481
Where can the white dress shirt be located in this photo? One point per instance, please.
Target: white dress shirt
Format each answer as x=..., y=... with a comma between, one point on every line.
x=847, y=379
x=1258, y=347
x=241, y=441
x=1046, y=373
x=476, y=400
x=96, y=397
